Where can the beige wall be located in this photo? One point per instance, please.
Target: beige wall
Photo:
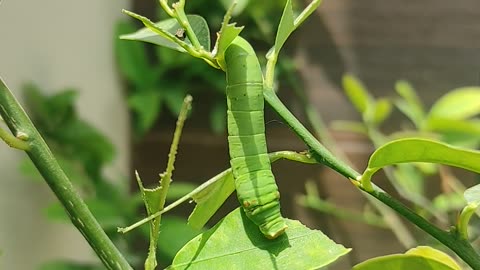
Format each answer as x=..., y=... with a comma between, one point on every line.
x=55, y=44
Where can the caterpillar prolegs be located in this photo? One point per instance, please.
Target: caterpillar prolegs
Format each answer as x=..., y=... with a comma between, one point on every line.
x=255, y=184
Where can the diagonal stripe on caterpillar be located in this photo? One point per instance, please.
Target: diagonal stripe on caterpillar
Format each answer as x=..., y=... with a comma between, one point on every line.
x=254, y=181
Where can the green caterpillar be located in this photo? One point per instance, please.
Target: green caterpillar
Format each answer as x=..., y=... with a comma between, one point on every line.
x=255, y=184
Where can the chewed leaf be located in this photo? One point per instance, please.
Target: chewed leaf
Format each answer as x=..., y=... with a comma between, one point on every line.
x=423, y=150
x=237, y=242
x=472, y=195
x=163, y=33
x=460, y=103
x=210, y=199
x=225, y=37
x=288, y=24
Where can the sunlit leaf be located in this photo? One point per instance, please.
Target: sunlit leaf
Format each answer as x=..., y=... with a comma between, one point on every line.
x=402, y=262
x=382, y=110
x=446, y=202
x=410, y=180
x=285, y=27
x=472, y=195
x=444, y=125
x=434, y=254
x=410, y=104
x=460, y=103
x=356, y=92
x=237, y=242
x=423, y=150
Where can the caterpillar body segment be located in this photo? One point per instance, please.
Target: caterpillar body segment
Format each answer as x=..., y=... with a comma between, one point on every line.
x=255, y=183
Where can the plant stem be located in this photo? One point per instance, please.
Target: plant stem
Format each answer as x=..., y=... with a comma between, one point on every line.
x=464, y=218
x=289, y=155
x=183, y=21
x=13, y=141
x=450, y=239
x=165, y=180
x=319, y=152
x=18, y=121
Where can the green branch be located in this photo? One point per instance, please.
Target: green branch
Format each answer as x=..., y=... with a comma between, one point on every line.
x=165, y=180
x=13, y=141
x=450, y=239
x=318, y=151
x=18, y=121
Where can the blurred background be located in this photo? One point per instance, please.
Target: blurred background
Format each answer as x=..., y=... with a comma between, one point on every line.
x=108, y=107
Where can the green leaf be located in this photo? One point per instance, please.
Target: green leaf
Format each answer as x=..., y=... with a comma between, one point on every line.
x=460, y=103
x=381, y=111
x=146, y=107
x=179, y=189
x=225, y=37
x=409, y=180
x=459, y=126
x=288, y=23
x=163, y=33
x=472, y=195
x=236, y=241
x=410, y=104
x=285, y=27
x=422, y=257
x=174, y=234
x=447, y=202
x=401, y=262
x=422, y=150
x=131, y=56
x=210, y=198
x=434, y=254
x=356, y=92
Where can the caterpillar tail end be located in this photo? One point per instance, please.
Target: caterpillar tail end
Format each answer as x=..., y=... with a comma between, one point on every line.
x=274, y=231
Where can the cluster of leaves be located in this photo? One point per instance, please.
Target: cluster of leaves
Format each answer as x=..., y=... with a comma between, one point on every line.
x=148, y=70
x=83, y=152
x=452, y=119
